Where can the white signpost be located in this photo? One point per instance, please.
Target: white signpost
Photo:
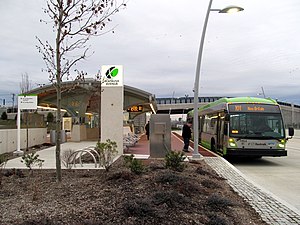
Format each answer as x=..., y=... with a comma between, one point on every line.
x=112, y=105
x=24, y=102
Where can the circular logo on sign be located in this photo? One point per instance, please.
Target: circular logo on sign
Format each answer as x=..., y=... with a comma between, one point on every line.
x=111, y=72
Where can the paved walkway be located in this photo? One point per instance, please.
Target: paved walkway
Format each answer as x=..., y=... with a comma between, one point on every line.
x=271, y=209
x=48, y=155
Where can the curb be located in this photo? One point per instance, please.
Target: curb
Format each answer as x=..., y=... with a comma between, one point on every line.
x=272, y=209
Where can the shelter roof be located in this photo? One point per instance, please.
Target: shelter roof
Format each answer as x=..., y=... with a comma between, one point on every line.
x=80, y=97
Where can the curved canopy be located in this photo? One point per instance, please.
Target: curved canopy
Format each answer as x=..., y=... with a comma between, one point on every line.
x=80, y=97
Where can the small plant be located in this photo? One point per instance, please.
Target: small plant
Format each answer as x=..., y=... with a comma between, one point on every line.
x=121, y=175
x=3, y=161
x=140, y=208
x=107, y=151
x=32, y=159
x=175, y=161
x=168, y=178
x=170, y=198
x=217, y=220
x=67, y=158
x=136, y=166
x=210, y=184
x=218, y=203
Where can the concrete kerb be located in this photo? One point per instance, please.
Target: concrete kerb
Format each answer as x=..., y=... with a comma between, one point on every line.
x=272, y=209
x=283, y=213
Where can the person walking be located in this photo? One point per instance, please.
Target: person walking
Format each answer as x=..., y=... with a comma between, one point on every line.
x=147, y=128
x=186, y=135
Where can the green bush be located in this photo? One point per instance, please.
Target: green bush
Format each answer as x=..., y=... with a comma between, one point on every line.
x=32, y=159
x=175, y=161
x=4, y=116
x=50, y=117
x=136, y=166
x=107, y=151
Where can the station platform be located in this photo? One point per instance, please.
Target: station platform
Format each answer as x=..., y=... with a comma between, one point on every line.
x=143, y=148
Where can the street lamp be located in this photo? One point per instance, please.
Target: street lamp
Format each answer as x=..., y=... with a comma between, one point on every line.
x=229, y=9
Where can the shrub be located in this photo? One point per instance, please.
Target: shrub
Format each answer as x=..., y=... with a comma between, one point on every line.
x=175, y=161
x=218, y=203
x=170, y=198
x=107, y=151
x=32, y=159
x=136, y=166
x=217, y=220
x=210, y=184
x=121, y=175
x=139, y=208
x=3, y=161
x=50, y=117
x=4, y=116
x=168, y=178
x=67, y=159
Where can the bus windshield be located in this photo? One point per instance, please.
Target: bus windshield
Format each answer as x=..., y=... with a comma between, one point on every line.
x=256, y=125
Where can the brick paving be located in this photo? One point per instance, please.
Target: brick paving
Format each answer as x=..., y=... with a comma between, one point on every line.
x=271, y=210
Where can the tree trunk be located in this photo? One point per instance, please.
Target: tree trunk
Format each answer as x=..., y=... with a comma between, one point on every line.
x=58, y=88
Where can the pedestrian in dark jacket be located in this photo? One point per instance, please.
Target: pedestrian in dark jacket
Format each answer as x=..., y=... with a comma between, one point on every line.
x=186, y=135
x=147, y=128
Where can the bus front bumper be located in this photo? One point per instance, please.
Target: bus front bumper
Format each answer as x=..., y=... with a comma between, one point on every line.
x=256, y=152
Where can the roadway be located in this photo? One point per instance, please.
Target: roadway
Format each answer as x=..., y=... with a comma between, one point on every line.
x=278, y=175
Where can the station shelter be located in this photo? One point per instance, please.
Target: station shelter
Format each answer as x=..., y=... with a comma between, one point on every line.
x=81, y=101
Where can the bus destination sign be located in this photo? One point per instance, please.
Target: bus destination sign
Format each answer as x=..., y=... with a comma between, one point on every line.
x=135, y=108
x=261, y=108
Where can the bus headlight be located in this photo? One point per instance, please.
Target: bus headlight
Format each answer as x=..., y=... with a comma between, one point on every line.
x=281, y=143
x=232, y=143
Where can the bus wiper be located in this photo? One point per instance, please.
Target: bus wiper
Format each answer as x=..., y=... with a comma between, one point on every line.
x=271, y=137
x=246, y=136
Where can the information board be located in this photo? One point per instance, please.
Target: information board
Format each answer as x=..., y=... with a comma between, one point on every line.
x=27, y=101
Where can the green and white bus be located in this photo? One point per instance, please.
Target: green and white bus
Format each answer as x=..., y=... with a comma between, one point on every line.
x=243, y=126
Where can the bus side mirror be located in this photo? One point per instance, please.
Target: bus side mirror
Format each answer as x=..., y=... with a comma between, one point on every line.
x=291, y=131
x=227, y=117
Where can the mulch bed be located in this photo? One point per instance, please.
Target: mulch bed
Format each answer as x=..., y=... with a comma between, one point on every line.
x=157, y=196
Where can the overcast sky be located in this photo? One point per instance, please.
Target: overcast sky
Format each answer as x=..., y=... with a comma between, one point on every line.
x=157, y=42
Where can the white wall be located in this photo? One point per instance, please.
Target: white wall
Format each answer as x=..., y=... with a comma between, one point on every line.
x=112, y=116
x=8, y=138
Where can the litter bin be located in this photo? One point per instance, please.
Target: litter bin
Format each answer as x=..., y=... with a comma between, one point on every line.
x=52, y=137
x=63, y=136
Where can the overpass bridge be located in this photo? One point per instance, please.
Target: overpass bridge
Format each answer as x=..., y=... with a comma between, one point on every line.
x=182, y=105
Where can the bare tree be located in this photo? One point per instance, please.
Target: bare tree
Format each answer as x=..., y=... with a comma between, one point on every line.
x=26, y=86
x=74, y=23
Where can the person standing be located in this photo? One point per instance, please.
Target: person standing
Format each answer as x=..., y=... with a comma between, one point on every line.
x=186, y=135
x=147, y=128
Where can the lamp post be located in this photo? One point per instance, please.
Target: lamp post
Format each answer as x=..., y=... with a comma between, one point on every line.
x=229, y=9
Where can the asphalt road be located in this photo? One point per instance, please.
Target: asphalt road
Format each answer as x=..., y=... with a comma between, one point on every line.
x=278, y=175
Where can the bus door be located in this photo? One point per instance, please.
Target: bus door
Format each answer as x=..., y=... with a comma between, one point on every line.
x=220, y=132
